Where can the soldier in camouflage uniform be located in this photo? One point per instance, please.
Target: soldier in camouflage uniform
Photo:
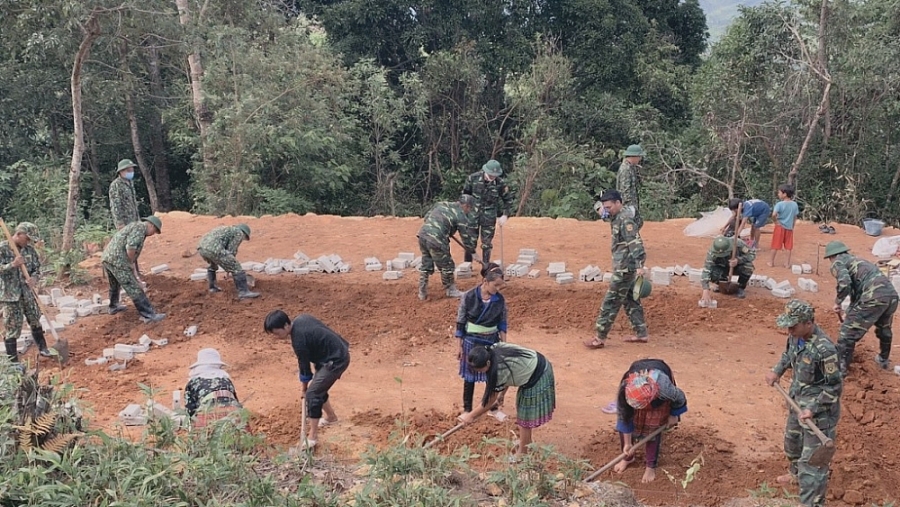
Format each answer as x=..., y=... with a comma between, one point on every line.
x=122, y=201
x=119, y=260
x=16, y=297
x=492, y=197
x=873, y=300
x=816, y=386
x=628, y=181
x=718, y=262
x=218, y=247
x=434, y=242
x=628, y=262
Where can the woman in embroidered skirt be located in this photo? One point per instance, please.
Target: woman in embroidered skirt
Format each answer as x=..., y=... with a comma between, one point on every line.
x=209, y=394
x=480, y=320
x=648, y=400
x=507, y=365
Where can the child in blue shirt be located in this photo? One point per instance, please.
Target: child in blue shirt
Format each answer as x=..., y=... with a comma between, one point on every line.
x=784, y=215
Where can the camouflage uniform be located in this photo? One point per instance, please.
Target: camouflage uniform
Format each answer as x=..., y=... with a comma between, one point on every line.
x=816, y=386
x=442, y=221
x=120, y=271
x=873, y=300
x=628, y=182
x=715, y=269
x=628, y=255
x=492, y=199
x=219, y=246
x=122, y=202
x=17, y=299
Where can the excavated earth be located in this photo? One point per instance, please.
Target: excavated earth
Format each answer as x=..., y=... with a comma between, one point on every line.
x=404, y=372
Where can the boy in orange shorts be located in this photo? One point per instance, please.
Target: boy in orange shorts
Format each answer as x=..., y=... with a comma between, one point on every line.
x=784, y=215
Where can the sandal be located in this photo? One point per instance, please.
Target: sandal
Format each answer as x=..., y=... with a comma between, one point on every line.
x=823, y=228
x=610, y=408
x=594, y=344
x=831, y=230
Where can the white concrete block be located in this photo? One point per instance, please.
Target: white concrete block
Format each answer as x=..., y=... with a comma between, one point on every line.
x=464, y=266
x=45, y=299
x=314, y=267
x=344, y=267
x=695, y=275
x=109, y=352
x=274, y=270
x=807, y=268
x=556, y=268
x=392, y=275
x=534, y=273
x=66, y=319
x=95, y=310
x=162, y=342
x=68, y=310
x=258, y=267
x=797, y=269
x=55, y=294
x=781, y=293
x=246, y=266
x=686, y=269
x=155, y=270
x=784, y=284
x=416, y=263
x=327, y=264
x=771, y=284
x=678, y=270
x=373, y=266
x=711, y=304
x=198, y=277
x=670, y=270
x=66, y=301
x=399, y=264
x=660, y=278
x=813, y=286
x=528, y=260
x=463, y=274
x=133, y=415
x=300, y=256
x=203, y=270
x=144, y=340
x=190, y=331
x=95, y=362
x=84, y=312
x=406, y=255
x=565, y=278
x=607, y=277
x=301, y=271
x=123, y=351
x=84, y=303
x=528, y=251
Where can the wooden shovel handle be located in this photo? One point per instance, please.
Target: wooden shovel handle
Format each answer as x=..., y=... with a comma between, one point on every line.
x=444, y=435
x=737, y=234
x=826, y=441
x=622, y=456
x=475, y=256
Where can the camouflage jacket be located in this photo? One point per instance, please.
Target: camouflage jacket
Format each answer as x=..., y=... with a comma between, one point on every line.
x=442, y=221
x=123, y=203
x=628, y=183
x=744, y=255
x=225, y=238
x=12, y=281
x=627, y=246
x=817, y=382
x=492, y=198
x=130, y=237
x=859, y=279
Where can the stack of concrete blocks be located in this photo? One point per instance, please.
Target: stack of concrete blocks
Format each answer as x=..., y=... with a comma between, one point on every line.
x=332, y=264
x=783, y=290
x=808, y=284
x=590, y=274
x=565, y=278
x=517, y=270
x=679, y=270
x=758, y=281
x=527, y=256
x=392, y=275
x=661, y=276
x=464, y=270
x=555, y=268
x=373, y=264
x=405, y=260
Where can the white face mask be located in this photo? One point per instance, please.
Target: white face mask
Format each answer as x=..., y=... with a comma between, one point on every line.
x=129, y=175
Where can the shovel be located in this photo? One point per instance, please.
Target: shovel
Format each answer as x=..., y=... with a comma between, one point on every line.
x=727, y=286
x=821, y=456
x=642, y=442
x=444, y=435
x=475, y=256
x=61, y=347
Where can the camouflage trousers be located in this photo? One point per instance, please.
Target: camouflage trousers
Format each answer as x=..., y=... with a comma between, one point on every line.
x=435, y=255
x=799, y=445
x=743, y=271
x=14, y=311
x=861, y=316
x=619, y=294
x=487, y=239
x=220, y=257
x=122, y=277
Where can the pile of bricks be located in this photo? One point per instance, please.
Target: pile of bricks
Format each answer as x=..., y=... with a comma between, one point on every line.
x=808, y=284
x=372, y=264
x=801, y=269
x=138, y=415
x=760, y=281
x=527, y=256
x=782, y=289
x=125, y=352
x=557, y=270
x=517, y=270
x=70, y=309
x=590, y=274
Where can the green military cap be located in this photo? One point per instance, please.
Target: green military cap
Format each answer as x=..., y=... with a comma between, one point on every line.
x=30, y=230
x=795, y=312
x=835, y=247
x=492, y=168
x=125, y=163
x=642, y=288
x=466, y=200
x=722, y=246
x=635, y=150
x=155, y=221
x=245, y=229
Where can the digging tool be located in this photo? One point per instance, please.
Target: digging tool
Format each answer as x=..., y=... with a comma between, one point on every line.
x=444, y=435
x=475, y=256
x=727, y=286
x=61, y=346
x=302, y=420
x=642, y=442
x=821, y=456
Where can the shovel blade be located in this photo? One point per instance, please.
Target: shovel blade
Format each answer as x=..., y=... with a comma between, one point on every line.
x=728, y=288
x=62, y=351
x=822, y=456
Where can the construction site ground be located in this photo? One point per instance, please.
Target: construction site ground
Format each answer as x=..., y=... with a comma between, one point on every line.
x=404, y=365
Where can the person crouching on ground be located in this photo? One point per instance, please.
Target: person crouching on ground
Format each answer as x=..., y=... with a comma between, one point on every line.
x=316, y=344
x=480, y=320
x=648, y=400
x=511, y=365
x=209, y=394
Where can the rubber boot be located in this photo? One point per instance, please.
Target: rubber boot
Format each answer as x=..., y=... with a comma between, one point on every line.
x=146, y=311
x=453, y=292
x=740, y=294
x=883, y=358
x=38, y=335
x=12, y=350
x=114, y=306
x=468, y=395
x=211, y=279
x=486, y=256
x=845, y=357
x=423, y=286
x=240, y=281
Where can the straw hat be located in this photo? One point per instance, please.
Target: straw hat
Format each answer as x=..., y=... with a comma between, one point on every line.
x=208, y=357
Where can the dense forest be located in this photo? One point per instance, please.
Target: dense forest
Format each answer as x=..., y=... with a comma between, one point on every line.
x=384, y=106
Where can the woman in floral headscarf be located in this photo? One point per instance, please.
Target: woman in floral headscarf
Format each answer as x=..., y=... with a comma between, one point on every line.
x=648, y=400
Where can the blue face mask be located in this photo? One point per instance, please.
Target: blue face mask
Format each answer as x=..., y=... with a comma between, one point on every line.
x=129, y=175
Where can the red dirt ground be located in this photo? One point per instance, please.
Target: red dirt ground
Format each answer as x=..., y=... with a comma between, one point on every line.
x=404, y=357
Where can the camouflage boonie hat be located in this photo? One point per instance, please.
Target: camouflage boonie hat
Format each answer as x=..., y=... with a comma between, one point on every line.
x=722, y=246
x=30, y=230
x=795, y=312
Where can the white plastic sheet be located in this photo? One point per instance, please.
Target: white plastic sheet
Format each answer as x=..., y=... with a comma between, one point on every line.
x=886, y=247
x=709, y=225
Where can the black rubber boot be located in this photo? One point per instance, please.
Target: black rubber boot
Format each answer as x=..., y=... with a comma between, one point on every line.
x=114, y=306
x=423, y=286
x=37, y=334
x=211, y=278
x=240, y=281
x=145, y=309
x=468, y=395
x=845, y=357
x=12, y=350
x=486, y=256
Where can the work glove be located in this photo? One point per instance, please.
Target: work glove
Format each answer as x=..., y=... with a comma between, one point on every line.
x=502, y=220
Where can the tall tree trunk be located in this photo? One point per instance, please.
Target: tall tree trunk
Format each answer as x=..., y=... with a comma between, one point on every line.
x=157, y=133
x=133, y=127
x=91, y=32
x=204, y=117
x=93, y=160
